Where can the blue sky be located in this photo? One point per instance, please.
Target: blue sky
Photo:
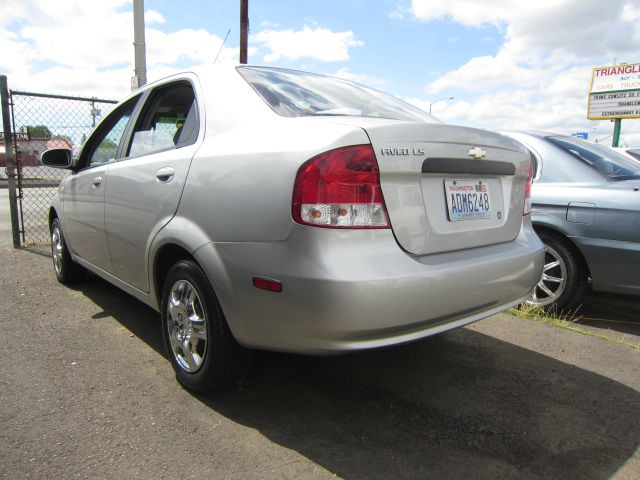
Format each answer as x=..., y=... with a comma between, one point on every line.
x=509, y=64
x=404, y=52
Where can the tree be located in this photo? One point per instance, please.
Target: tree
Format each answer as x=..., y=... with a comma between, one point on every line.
x=37, y=131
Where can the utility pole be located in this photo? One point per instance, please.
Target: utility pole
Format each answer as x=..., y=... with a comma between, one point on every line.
x=94, y=112
x=139, y=46
x=244, y=29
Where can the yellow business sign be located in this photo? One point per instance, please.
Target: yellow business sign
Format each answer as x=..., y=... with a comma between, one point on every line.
x=615, y=92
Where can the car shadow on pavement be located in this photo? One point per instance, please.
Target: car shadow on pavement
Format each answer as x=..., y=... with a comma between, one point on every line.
x=620, y=313
x=138, y=318
x=457, y=405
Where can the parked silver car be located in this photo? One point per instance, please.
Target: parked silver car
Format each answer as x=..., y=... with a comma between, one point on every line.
x=275, y=209
x=586, y=209
x=633, y=153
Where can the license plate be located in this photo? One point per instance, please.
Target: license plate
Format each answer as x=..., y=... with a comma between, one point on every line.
x=467, y=199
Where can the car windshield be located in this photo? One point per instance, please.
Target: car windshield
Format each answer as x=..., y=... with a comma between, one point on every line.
x=606, y=161
x=292, y=93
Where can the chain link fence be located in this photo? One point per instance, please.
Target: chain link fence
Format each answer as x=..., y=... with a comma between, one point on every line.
x=41, y=122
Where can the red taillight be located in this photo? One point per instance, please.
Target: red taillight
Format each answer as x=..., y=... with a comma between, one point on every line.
x=340, y=189
x=527, y=191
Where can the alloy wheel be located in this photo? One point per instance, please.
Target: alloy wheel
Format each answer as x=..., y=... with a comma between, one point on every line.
x=56, y=250
x=554, y=279
x=187, y=326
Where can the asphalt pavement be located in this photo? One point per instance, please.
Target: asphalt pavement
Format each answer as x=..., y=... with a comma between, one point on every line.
x=86, y=392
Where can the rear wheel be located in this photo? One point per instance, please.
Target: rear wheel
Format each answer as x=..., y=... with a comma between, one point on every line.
x=66, y=270
x=203, y=352
x=564, y=278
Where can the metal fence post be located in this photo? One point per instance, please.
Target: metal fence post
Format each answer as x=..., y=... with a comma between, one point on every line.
x=10, y=160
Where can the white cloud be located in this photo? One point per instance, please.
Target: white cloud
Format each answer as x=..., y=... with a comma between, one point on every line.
x=401, y=11
x=481, y=72
x=539, y=77
x=314, y=43
x=576, y=28
x=198, y=46
x=153, y=16
x=467, y=12
x=86, y=48
x=436, y=106
x=632, y=11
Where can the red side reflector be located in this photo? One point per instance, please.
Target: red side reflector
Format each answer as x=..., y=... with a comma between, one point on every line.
x=267, y=284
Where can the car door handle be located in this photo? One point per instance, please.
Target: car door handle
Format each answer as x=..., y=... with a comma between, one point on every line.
x=165, y=174
x=97, y=182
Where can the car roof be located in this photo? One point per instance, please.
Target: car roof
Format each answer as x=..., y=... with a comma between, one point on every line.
x=222, y=90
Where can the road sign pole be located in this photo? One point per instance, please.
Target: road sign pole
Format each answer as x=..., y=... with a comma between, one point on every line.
x=616, y=132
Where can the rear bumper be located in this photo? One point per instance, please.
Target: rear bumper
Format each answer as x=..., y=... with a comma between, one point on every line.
x=351, y=290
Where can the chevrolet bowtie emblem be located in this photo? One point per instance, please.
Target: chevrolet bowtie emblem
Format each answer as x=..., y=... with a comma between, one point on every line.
x=477, y=153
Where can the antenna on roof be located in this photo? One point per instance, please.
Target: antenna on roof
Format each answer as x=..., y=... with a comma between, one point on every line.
x=225, y=39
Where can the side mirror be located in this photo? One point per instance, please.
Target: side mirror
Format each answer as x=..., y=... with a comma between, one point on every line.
x=57, y=158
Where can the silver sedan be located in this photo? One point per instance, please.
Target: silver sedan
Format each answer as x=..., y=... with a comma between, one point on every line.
x=275, y=209
x=586, y=209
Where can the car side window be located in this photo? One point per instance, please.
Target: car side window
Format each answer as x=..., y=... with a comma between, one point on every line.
x=103, y=147
x=169, y=120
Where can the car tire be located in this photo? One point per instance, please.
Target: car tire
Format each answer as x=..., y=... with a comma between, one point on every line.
x=197, y=339
x=67, y=271
x=564, y=277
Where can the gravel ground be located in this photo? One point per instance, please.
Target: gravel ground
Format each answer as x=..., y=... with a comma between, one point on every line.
x=86, y=392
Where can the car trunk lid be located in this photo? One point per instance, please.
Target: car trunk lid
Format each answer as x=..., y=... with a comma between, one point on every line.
x=447, y=187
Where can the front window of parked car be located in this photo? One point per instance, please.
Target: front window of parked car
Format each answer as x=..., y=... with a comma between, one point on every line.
x=292, y=93
x=103, y=145
x=169, y=120
x=606, y=161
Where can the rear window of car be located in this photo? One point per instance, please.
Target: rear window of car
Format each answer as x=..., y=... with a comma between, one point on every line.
x=606, y=161
x=292, y=93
